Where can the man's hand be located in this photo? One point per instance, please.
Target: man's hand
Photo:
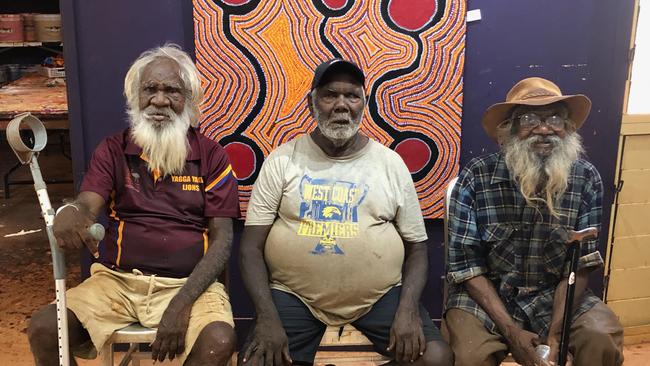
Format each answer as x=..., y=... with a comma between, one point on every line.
x=406, y=336
x=71, y=228
x=522, y=345
x=269, y=346
x=554, y=343
x=170, y=338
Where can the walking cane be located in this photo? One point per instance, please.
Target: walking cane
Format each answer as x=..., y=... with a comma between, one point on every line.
x=28, y=155
x=573, y=239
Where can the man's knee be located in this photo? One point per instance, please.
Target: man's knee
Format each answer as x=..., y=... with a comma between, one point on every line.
x=42, y=329
x=597, y=337
x=42, y=333
x=598, y=344
x=474, y=359
x=216, y=342
x=438, y=353
x=472, y=344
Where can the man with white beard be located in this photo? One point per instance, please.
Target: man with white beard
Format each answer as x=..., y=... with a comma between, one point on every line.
x=170, y=196
x=332, y=221
x=506, y=272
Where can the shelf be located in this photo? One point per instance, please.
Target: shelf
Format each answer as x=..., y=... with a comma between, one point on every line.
x=20, y=44
x=25, y=44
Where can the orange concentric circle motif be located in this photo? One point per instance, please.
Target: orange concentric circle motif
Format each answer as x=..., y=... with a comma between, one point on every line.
x=256, y=59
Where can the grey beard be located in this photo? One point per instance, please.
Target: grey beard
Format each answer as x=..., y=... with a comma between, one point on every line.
x=337, y=136
x=166, y=147
x=542, y=178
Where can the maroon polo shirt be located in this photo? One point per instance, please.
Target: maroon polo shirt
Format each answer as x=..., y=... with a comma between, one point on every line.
x=159, y=225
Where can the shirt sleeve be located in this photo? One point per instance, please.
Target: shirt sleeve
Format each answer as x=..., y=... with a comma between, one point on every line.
x=590, y=215
x=221, y=189
x=466, y=255
x=408, y=218
x=267, y=192
x=100, y=176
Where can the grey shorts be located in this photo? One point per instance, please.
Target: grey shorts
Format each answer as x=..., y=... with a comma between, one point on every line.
x=305, y=331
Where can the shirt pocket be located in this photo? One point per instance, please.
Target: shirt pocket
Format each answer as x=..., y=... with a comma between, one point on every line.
x=499, y=241
x=554, y=258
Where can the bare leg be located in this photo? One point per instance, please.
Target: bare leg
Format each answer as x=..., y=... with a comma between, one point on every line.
x=214, y=346
x=43, y=336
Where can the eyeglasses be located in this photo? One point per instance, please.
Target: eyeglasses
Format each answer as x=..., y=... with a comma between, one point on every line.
x=529, y=121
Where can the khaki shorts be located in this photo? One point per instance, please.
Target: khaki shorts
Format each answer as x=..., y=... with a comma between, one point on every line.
x=109, y=300
x=596, y=339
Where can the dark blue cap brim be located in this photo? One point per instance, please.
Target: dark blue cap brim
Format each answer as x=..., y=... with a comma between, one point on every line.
x=336, y=64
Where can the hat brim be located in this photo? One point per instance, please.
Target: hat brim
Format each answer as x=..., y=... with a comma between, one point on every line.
x=579, y=106
x=337, y=66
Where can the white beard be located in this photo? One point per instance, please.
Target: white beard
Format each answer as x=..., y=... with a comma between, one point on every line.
x=337, y=134
x=164, y=145
x=542, y=178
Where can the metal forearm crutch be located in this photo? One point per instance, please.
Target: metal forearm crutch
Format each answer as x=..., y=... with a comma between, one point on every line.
x=574, y=240
x=28, y=155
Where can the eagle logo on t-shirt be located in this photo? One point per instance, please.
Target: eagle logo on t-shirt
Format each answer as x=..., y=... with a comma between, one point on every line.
x=328, y=210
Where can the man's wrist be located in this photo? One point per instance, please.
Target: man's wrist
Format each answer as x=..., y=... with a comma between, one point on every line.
x=268, y=318
x=181, y=301
x=408, y=300
x=553, y=336
x=407, y=305
x=510, y=332
x=66, y=206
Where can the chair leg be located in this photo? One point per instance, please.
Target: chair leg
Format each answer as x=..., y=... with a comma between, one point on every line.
x=129, y=354
x=6, y=178
x=107, y=354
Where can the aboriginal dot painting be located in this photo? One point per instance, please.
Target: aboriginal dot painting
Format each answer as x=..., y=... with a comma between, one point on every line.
x=256, y=59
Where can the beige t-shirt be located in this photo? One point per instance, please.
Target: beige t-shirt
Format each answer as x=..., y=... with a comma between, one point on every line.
x=338, y=225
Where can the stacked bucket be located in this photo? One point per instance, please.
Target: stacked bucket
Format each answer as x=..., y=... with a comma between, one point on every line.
x=30, y=27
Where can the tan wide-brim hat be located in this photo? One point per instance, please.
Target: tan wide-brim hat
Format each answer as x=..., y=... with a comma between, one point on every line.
x=535, y=91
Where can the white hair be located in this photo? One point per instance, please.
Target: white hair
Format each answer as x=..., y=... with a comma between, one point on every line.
x=188, y=73
x=542, y=178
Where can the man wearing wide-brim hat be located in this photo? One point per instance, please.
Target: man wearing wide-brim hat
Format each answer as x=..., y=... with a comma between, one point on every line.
x=506, y=271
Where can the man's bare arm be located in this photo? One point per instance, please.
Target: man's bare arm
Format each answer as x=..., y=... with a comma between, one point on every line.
x=482, y=291
x=212, y=264
x=406, y=334
x=269, y=341
x=254, y=271
x=170, y=338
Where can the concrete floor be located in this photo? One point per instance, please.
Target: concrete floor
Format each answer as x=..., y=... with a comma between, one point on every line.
x=26, y=274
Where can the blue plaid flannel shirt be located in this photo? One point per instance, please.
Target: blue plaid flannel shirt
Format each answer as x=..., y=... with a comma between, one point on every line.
x=492, y=232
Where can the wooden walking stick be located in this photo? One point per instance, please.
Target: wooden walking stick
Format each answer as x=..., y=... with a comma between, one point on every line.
x=29, y=155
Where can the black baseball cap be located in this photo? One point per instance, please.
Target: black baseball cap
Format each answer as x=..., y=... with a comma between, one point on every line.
x=336, y=64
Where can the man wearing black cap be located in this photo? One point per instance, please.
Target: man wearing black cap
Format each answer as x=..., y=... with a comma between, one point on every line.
x=507, y=271
x=332, y=221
